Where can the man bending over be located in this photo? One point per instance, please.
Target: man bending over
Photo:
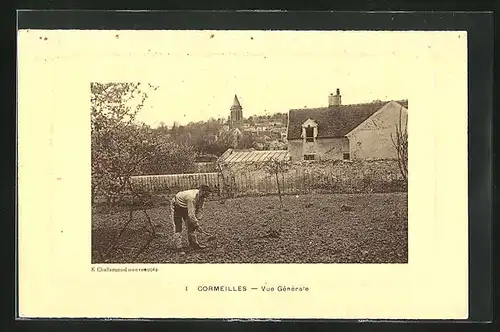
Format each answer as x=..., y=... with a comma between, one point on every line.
x=186, y=206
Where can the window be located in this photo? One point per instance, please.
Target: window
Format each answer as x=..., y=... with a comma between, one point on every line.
x=308, y=157
x=309, y=134
x=347, y=156
x=309, y=130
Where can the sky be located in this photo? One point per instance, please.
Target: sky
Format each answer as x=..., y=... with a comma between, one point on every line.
x=199, y=72
x=273, y=72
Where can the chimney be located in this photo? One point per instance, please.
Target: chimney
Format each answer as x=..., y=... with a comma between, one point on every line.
x=334, y=100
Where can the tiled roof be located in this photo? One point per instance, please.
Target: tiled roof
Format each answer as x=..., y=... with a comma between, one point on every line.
x=335, y=121
x=239, y=156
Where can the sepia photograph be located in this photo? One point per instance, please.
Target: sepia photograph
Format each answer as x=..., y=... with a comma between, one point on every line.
x=246, y=154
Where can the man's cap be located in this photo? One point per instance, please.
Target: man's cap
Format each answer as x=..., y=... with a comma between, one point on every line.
x=205, y=188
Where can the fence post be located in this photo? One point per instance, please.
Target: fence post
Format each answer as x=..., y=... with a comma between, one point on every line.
x=244, y=182
x=311, y=181
x=308, y=187
x=296, y=185
x=239, y=184
x=283, y=183
x=253, y=183
x=306, y=180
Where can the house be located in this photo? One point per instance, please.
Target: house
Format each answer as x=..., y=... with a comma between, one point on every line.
x=277, y=145
x=348, y=132
x=210, y=138
x=283, y=136
x=233, y=136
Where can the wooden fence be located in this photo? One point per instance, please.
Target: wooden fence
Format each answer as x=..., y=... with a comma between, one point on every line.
x=295, y=181
x=173, y=182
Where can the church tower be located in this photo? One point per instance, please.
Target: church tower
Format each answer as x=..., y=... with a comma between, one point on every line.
x=236, y=117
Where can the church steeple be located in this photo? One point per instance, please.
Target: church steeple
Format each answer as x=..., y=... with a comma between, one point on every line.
x=236, y=117
x=236, y=103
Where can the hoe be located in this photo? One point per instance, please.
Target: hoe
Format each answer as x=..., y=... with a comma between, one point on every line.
x=210, y=237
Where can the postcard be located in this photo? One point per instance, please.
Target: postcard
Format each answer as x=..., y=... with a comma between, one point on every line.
x=242, y=174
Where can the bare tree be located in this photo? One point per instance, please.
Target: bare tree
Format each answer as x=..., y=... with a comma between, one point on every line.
x=277, y=168
x=226, y=181
x=400, y=142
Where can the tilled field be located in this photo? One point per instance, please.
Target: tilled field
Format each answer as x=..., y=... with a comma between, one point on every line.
x=329, y=228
